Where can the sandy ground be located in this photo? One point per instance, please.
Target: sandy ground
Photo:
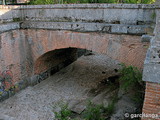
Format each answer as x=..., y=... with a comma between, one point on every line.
x=73, y=82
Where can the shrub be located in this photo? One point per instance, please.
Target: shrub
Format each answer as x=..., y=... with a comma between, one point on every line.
x=64, y=113
x=130, y=77
x=99, y=112
x=110, y=108
x=93, y=112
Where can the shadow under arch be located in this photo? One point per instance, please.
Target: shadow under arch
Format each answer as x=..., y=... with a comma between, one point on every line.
x=53, y=61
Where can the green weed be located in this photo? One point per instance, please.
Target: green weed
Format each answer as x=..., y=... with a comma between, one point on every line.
x=93, y=112
x=64, y=113
x=130, y=77
x=99, y=112
x=16, y=19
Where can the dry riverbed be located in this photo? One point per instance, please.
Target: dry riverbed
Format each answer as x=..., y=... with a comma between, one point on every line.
x=83, y=79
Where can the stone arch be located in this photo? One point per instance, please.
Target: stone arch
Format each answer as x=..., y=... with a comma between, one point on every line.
x=125, y=48
x=48, y=40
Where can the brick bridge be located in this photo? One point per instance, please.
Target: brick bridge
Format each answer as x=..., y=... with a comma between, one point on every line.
x=30, y=35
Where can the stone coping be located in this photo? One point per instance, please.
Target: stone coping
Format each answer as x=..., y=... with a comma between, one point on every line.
x=80, y=27
x=9, y=26
x=88, y=27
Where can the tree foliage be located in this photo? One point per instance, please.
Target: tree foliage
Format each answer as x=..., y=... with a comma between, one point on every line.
x=37, y=2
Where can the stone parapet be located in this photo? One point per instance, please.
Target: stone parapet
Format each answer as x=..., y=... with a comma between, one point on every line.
x=133, y=14
x=151, y=70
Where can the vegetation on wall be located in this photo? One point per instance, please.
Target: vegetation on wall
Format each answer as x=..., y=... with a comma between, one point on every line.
x=130, y=76
x=131, y=79
x=37, y=2
x=92, y=111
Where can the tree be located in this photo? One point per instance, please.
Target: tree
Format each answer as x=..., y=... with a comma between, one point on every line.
x=157, y=2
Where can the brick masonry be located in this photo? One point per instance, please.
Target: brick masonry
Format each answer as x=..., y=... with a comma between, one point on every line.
x=23, y=52
x=28, y=45
x=125, y=48
x=152, y=100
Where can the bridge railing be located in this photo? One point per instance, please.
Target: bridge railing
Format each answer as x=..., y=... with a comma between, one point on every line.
x=130, y=18
x=108, y=13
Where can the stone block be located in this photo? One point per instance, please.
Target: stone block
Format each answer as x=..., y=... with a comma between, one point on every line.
x=151, y=72
x=146, y=38
x=119, y=29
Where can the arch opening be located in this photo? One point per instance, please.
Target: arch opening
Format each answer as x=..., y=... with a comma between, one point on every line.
x=53, y=61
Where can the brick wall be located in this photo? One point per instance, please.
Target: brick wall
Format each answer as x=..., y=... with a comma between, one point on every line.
x=24, y=47
x=152, y=99
x=20, y=50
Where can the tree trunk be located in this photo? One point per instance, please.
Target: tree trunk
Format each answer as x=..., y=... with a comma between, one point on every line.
x=4, y=2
